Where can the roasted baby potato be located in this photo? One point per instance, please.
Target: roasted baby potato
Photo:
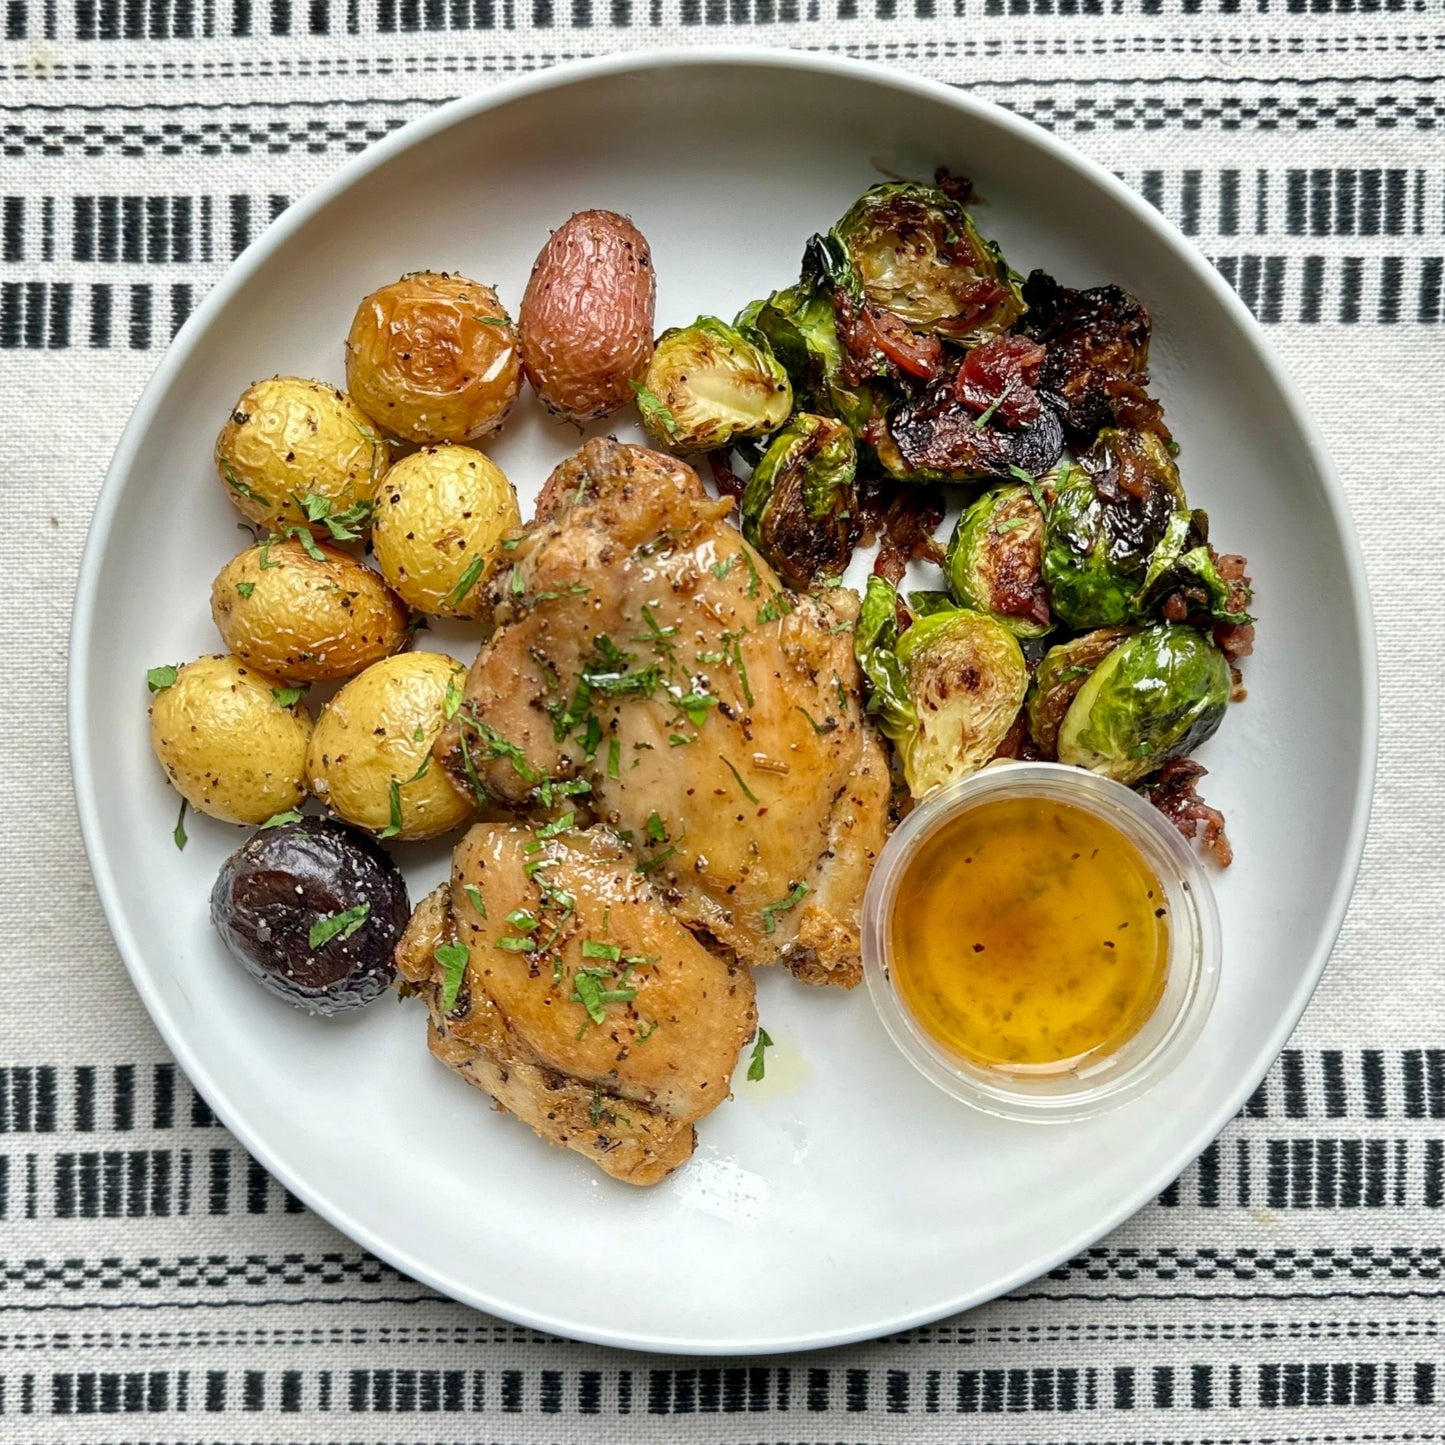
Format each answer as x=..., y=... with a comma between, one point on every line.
x=370, y=758
x=304, y=618
x=587, y=315
x=313, y=911
x=298, y=453
x=440, y=516
x=231, y=739
x=434, y=358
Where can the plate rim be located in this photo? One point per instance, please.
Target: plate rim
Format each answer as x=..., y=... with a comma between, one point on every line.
x=642, y=62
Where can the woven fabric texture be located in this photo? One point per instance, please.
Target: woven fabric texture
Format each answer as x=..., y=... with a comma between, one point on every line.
x=155, y=1284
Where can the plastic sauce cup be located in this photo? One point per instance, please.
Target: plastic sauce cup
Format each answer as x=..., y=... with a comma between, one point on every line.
x=1077, y=1090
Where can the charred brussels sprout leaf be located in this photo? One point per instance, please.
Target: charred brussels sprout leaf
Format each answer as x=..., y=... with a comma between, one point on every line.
x=946, y=690
x=995, y=561
x=800, y=508
x=1158, y=695
x=1062, y=672
x=916, y=252
x=925, y=604
x=712, y=384
x=1185, y=566
x=1106, y=519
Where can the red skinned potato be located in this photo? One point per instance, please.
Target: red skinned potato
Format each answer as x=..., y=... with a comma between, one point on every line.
x=587, y=316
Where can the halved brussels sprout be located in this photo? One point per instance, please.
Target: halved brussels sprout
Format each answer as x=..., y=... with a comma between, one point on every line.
x=916, y=252
x=946, y=690
x=1061, y=673
x=1105, y=521
x=994, y=561
x=800, y=507
x=1158, y=695
x=925, y=604
x=707, y=384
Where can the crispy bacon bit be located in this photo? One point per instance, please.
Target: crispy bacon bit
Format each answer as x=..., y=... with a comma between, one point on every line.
x=902, y=520
x=1172, y=792
x=869, y=334
x=1235, y=640
x=1018, y=743
x=727, y=481
x=956, y=188
x=998, y=377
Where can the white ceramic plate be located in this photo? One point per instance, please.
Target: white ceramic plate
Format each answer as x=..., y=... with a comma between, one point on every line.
x=843, y=1197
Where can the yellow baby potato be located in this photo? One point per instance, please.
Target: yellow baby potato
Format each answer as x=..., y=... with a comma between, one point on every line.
x=370, y=758
x=231, y=739
x=304, y=620
x=298, y=453
x=439, y=518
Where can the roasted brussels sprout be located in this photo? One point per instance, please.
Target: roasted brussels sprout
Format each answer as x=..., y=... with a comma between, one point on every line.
x=313, y=912
x=800, y=505
x=1105, y=520
x=1061, y=673
x=1158, y=695
x=434, y=358
x=708, y=384
x=946, y=690
x=916, y=252
x=301, y=454
x=925, y=604
x=995, y=561
x=1097, y=364
x=232, y=740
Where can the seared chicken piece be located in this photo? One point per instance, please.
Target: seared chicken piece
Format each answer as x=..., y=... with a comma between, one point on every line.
x=648, y=660
x=584, y=1008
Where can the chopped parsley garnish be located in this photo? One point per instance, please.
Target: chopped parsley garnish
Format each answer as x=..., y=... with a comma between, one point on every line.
x=594, y=998
x=1012, y=525
x=614, y=759
x=288, y=696
x=338, y=925
x=475, y=895
x=277, y=819
x=592, y=949
x=160, y=678
x=522, y=920
x=742, y=671
x=653, y=409
x=245, y=589
x=591, y=740
x=830, y=726
x=642, y=682
x=393, y=827
x=497, y=747
x=238, y=486
x=644, y=1035
x=721, y=569
x=986, y=415
x=180, y=829
x=679, y=740
x=419, y=735
x=518, y=585
x=651, y=865
x=770, y=911
x=748, y=793
x=492, y=320
x=453, y=958
x=465, y=582
x=510, y=944
x=551, y=830
x=656, y=831
x=341, y=525
x=754, y=581
x=757, y=1063
x=696, y=705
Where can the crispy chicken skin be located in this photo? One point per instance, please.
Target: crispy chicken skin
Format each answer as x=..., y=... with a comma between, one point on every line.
x=623, y=1091
x=643, y=653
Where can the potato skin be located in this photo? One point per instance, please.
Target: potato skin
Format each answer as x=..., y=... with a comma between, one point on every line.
x=440, y=510
x=284, y=613
x=434, y=358
x=227, y=745
x=287, y=437
x=366, y=737
x=587, y=316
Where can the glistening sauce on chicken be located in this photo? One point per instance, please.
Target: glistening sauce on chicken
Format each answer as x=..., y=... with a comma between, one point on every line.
x=1029, y=932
